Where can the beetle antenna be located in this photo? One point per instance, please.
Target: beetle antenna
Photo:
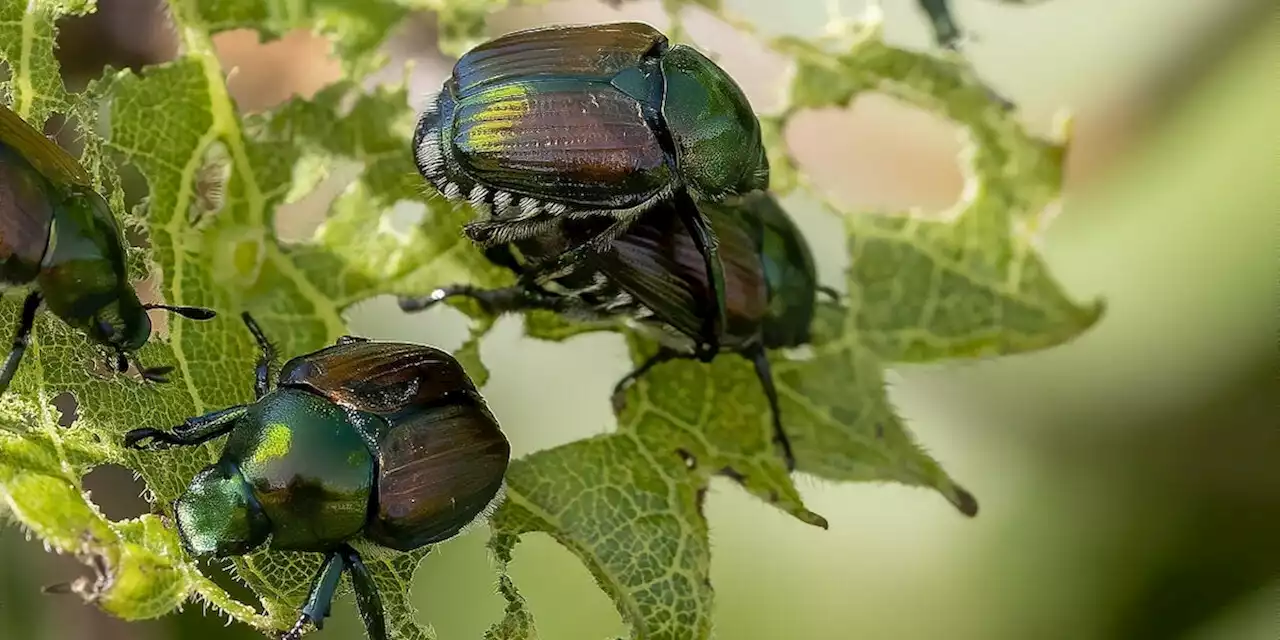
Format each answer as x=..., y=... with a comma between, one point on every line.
x=191, y=313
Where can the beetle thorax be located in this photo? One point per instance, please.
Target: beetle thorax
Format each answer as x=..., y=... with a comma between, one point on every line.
x=308, y=465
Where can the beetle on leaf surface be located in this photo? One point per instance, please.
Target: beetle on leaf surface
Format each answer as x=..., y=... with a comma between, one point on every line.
x=58, y=234
x=654, y=275
x=387, y=441
x=609, y=121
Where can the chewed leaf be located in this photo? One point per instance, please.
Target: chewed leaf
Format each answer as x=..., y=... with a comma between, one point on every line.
x=517, y=621
x=920, y=291
x=628, y=503
x=632, y=517
x=843, y=426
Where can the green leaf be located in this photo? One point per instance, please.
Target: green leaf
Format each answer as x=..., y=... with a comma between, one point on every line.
x=627, y=503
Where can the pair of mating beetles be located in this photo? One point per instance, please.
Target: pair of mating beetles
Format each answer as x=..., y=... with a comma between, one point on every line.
x=618, y=175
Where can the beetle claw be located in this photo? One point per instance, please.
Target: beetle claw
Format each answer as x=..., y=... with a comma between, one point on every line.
x=830, y=292
x=706, y=352
x=135, y=439
x=619, y=400
x=421, y=303
x=156, y=374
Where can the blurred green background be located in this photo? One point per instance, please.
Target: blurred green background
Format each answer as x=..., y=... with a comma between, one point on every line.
x=1130, y=481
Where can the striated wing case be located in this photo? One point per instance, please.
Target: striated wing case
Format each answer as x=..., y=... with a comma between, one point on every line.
x=443, y=457
x=658, y=263
x=438, y=470
x=595, y=51
x=25, y=216
x=383, y=378
x=585, y=143
x=44, y=154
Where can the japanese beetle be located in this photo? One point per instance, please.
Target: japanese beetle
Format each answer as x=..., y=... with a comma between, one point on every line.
x=387, y=441
x=595, y=121
x=653, y=274
x=58, y=234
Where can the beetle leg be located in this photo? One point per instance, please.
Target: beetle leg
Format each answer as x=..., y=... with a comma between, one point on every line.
x=664, y=354
x=320, y=598
x=155, y=374
x=763, y=371
x=25, y=323
x=497, y=301
x=194, y=431
x=368, y=600
x=704, y=238
x=571, y=257
x=489, y=233
x=262, y=374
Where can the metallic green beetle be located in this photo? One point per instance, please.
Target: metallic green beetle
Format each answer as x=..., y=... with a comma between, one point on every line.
x=654, y=274
x=602, y=121
x=385, y=440
x=58, y=234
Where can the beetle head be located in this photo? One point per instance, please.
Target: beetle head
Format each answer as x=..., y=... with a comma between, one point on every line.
x=219, y=516
x=121, y=323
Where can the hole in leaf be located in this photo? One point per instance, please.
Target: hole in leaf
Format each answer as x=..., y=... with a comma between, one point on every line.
x=316, y=187
x=463, y=600
x=416, y=38
x=221, y=572
x=67, y=407
x=120, y=34
x=525, y=16
x=576, y=378
x=64, y=131
x=405, y=215
x=116, y=492
x=136, y=191
x=561, y=592
x=261, y=75
x=757, y=70
x=879, y=154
